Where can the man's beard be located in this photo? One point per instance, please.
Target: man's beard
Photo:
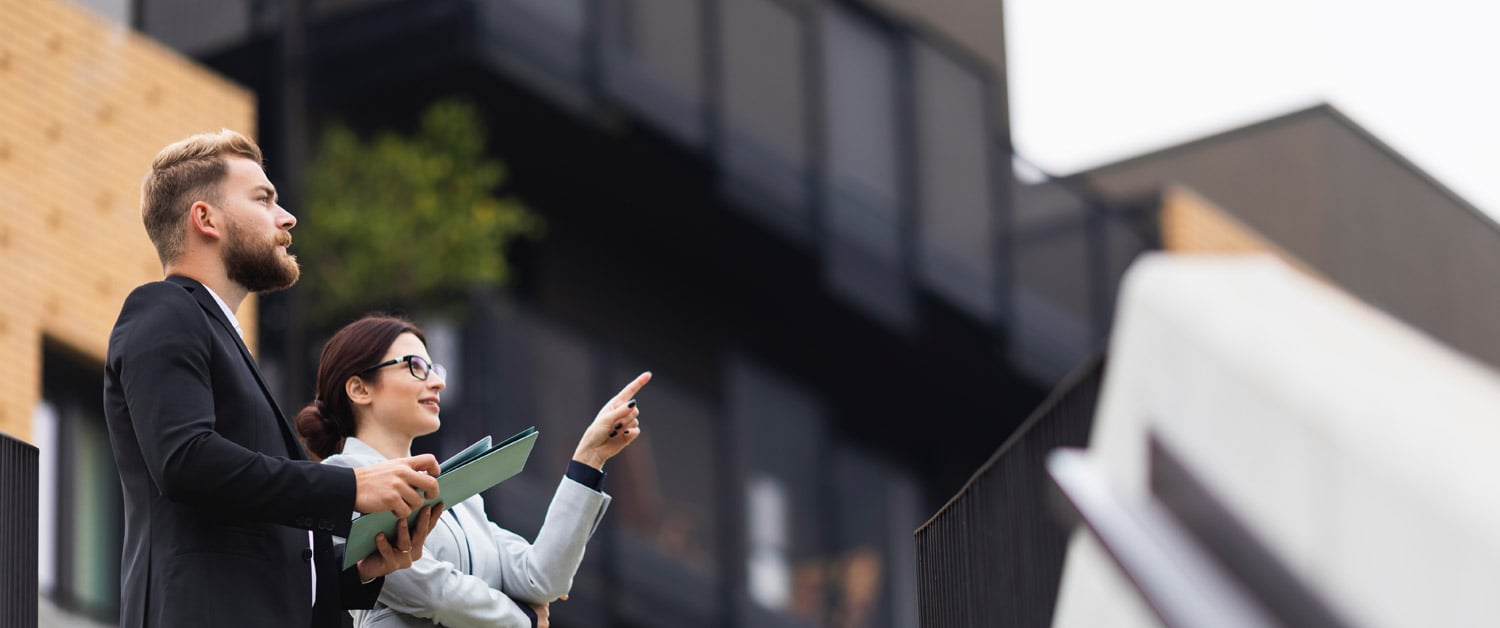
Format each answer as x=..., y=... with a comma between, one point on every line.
x=259, y=266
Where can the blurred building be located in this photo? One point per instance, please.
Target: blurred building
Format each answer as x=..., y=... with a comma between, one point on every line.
x=1333, y=199
x=795, y=213
x=86, y=105
x=800, y=214
x=1311, y=187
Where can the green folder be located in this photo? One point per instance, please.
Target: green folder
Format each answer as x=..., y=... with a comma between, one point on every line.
x=476, y=468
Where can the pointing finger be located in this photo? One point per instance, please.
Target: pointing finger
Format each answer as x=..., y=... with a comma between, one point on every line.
x=630, y=389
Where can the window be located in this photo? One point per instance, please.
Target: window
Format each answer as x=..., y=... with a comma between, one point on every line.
x=870, y=566
x=542, y=39
x=671, y=477
x=764, y=145
x=785, y=430
x=1053, y=296
x=542, y=376
x=653, y=53
x=957, y=241
x=863, y=173
x=661, y=539
x=827, y=526
x=82, y=520
x=196, y=27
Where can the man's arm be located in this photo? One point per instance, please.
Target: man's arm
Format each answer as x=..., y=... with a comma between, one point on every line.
x=164, y=368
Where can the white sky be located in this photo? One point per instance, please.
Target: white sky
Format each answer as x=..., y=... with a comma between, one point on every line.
x=1095, y=81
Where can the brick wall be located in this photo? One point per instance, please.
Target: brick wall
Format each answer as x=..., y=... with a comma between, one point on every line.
x=85, y=104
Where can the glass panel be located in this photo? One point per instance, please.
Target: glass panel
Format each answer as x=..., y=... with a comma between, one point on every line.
x=863, y=172
x=567, y=16
x=540, y=42
x=196, y=26
x=785, y=543
x=666, y=545
x=545, y=378
x=764, y=110
x=956, y=208
x=664, y=37
x=863, y=168
x=1052, y=300
x=871, y=501
x=665, y=484
x=89, y=525
x=653, y=56
x=97, y=532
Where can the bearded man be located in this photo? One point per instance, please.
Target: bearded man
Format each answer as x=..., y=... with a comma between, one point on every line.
x=227, y=522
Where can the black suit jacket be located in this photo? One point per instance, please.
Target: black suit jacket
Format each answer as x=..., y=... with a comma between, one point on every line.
x=219, y=493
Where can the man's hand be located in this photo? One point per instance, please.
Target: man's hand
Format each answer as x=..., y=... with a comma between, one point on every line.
x=408, y=547
x=400, y=486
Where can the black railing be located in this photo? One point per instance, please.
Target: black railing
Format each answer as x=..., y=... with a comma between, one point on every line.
x=18, y=533
x=992, y=556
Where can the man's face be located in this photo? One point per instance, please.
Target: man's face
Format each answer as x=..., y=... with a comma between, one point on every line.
x=257, y=231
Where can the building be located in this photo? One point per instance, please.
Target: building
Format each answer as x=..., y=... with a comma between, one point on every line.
x=796, y=213
x=1311, y=187
x=87, y=105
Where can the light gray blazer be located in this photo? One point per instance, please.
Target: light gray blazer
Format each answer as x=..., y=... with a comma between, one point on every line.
x=469, y=565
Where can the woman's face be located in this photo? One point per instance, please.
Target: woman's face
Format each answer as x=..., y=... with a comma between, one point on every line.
x=399, y=401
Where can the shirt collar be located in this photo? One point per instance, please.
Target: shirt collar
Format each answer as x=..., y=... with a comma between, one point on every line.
x=227, y=312
x=358, y=449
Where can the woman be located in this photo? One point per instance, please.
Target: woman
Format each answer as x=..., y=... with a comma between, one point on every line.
x=377, y=390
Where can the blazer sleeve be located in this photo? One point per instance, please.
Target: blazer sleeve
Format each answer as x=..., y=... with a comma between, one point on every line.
x=163, y=363
x=353, y=593
x=543, y=571
x=436, y=590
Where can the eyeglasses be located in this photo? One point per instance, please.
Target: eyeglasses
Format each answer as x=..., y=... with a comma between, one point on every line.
x=420, y=368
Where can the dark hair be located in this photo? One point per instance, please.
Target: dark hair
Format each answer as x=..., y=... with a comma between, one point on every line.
x=329, y=419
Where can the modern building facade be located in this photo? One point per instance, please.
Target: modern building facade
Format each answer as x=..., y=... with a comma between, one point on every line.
x=795, y=213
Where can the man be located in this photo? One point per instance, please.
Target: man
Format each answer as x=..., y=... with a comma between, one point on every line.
x=227, y=523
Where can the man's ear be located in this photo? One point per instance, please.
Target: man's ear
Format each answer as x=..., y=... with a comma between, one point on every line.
x=206, y=220
x=358, y=390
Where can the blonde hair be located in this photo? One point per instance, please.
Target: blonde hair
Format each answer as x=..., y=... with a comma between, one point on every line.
x=187, y=171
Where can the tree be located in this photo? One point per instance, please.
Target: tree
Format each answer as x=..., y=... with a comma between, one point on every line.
x=401, y=220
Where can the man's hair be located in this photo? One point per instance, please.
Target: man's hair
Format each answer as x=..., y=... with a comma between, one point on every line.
x=187, y=171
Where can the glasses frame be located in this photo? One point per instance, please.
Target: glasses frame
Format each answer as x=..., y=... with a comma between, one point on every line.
x=411, y=367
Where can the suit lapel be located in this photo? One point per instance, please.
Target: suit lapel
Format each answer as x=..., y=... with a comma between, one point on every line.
x=209, y=305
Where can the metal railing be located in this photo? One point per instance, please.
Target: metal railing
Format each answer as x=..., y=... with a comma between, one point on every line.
x=992, y=556
x=18, y=532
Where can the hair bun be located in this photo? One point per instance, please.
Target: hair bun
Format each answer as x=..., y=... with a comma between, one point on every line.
x=320, y=432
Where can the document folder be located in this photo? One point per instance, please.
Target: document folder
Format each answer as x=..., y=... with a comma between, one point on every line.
x=466, y=474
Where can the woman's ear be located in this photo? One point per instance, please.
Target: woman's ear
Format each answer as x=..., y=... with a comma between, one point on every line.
x=358, y=391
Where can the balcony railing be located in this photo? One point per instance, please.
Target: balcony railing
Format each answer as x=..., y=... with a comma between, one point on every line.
x=993, y=555
x=18, y=532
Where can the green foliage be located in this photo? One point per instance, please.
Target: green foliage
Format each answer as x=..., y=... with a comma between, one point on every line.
x=400, y=221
